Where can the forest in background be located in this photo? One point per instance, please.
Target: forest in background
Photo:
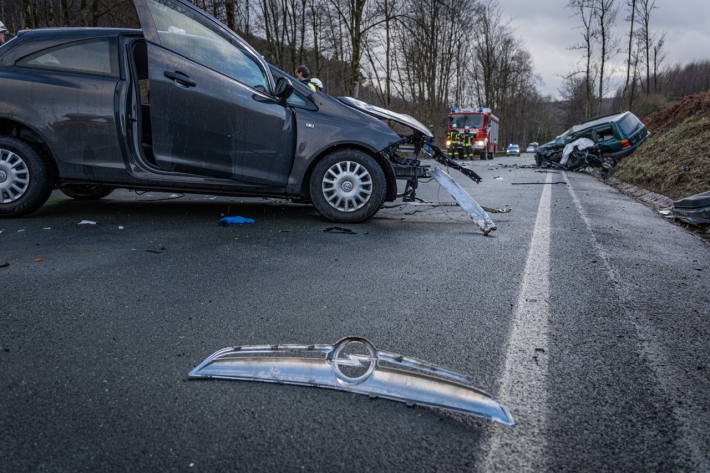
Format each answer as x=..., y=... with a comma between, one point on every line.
x=423, y=56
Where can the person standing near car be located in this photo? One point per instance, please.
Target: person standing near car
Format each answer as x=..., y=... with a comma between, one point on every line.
x=304, y=75
x=4, y=33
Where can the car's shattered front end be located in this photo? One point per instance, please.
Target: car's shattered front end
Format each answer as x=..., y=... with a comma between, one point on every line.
x=408, y=166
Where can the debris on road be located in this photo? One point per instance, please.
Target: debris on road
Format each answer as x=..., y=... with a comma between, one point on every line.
x=496, y=210
x=498, y=178
x=424, y=203
x=466, y=202
x=532, y=183
x=518, y=166
x=235, y=221
x=353, y=364
x=121, y=227
x=343, y=230
x=4, y=265
x=694, y=209
x=39, y=260
x=87, y=222
x=158, y=251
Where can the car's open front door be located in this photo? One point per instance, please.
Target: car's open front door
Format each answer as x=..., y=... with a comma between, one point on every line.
x=211, y=110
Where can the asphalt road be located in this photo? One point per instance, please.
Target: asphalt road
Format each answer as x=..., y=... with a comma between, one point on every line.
x=585, y=313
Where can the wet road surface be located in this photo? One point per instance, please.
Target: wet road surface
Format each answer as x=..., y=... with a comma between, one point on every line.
x=585, y=313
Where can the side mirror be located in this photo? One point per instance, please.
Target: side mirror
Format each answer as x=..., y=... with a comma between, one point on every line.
x=283, y=89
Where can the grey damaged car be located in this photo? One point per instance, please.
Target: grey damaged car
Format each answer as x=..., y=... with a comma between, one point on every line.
x=184, y=104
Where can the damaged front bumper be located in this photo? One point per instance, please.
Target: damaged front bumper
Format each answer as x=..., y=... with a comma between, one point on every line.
x=353, y=364
x=412, y=170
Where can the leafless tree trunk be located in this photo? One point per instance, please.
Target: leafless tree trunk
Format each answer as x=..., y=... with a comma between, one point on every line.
x=631, y=4
x=585, y=12
x=658, y=58
x=646, y=8
x=605, y=12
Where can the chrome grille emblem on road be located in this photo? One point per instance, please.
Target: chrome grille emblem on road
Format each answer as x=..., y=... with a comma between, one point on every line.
x=353, y=360
x=353, y=364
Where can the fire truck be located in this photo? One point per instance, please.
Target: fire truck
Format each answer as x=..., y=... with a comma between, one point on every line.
x=472, y=132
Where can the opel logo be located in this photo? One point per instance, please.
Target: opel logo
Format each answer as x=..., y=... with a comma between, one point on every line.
x=353, y=360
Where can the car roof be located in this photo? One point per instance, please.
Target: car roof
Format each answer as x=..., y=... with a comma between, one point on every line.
x=598, y=121
x=29, y=41
x=74, y=32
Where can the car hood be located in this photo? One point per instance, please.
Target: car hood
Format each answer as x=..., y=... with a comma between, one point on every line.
x=384, y=114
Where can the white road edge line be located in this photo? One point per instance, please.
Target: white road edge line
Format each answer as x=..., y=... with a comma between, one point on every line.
x=652, y=352
x=523, y=385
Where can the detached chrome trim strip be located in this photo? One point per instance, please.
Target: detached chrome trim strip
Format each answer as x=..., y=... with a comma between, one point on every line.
x=354, y=365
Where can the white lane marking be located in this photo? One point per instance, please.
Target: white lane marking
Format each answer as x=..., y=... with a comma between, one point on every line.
x=522, y=389
x=654, y=354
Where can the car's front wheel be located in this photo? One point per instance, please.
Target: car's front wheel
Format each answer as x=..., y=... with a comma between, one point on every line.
x=26, y=180
x=86, y=191
x=348, y=186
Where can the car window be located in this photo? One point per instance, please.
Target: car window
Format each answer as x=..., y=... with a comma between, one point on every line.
x=629, y=124
x=189, y=35
x=606, y=133
x=93, y=57
x=297, y=99
x=469, y=120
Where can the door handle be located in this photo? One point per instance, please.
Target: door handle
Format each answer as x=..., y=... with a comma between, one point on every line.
x=180, y=78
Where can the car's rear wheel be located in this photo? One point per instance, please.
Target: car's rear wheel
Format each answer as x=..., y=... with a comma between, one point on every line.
x=348, y=186
x=86, y=191
x=26, y=180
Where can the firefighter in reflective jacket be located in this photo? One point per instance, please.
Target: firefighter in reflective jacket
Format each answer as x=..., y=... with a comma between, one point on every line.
x=455, y=144
x=450, y=143
x=460, y=142
x=467, y=144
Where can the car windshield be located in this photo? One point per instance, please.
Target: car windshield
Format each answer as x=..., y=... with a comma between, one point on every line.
x=468, y=120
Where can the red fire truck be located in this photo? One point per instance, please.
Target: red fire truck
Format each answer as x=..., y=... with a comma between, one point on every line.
x=472, y=132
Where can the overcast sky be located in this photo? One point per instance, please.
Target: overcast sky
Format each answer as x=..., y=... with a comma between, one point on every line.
x=548, y=29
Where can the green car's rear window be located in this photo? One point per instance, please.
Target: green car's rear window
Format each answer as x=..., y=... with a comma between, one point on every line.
x=629, y=124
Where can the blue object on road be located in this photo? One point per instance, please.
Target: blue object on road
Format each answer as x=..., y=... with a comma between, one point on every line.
x=235, y=220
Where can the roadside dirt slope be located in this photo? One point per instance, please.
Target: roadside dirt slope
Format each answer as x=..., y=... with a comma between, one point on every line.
x=675, y=159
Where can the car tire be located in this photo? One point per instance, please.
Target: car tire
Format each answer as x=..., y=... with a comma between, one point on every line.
x=348, y=186
x=26, y=180
x=86, y=191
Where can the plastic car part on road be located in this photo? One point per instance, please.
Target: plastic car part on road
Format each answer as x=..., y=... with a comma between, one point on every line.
x=353, y=364
x=468, y=203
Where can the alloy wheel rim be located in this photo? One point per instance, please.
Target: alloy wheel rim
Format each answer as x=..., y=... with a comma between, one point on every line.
x=14, y=176
x=347, y=186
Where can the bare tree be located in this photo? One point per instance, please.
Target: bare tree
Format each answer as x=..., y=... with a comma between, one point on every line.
x=605, y=12
x=585, y=12
x=645, y=12
x=631, y=5
x=659, y=56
